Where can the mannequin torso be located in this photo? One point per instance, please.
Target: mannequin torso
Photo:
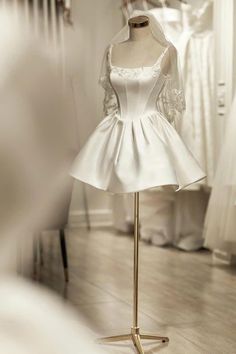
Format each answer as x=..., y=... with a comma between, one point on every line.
x=140, y=50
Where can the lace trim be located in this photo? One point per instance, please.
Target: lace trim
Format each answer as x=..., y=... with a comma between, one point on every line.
x=172, y=97
x=179, y=99
x=133, y=73
x=155, y=69
x=175, y=101
x=109, y=102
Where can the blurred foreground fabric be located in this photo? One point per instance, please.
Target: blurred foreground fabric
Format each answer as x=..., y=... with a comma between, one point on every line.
x=35, y=155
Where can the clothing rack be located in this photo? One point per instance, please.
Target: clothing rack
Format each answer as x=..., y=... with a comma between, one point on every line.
x=153, y=3
x=163, y=2
x=52, y=10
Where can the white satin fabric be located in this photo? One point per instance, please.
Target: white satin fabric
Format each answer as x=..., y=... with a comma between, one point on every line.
x=136, y=148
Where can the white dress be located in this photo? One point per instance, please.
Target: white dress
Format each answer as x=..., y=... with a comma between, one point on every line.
x=220, y=223
x=196, y=50
x=170, y=21
x=135, y=147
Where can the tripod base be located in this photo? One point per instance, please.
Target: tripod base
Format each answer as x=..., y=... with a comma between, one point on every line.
x=136, y=338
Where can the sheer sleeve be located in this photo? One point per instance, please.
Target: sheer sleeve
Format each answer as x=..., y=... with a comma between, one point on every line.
x=171, y=101
x=110, y=105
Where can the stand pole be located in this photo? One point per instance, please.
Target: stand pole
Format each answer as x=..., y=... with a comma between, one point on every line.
x=135, y=334
x=136, y=260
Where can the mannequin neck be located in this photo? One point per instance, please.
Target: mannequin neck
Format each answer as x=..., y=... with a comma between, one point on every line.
x=140, y=33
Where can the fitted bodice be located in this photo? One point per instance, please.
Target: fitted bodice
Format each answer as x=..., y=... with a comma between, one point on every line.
x=137, y=89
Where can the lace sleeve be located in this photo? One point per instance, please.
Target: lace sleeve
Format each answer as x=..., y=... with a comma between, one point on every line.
x=110, y=105
x=172, y=100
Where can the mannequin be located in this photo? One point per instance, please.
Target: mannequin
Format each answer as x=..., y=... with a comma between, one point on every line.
x=141, y=49
x=135, y=147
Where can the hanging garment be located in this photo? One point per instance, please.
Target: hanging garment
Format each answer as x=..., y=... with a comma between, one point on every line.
x=189, y=214
x=196, y=51
x=169, y=218
x=122, y=213
x=157, y=217
x=220, y=223
x=135, y=147
x=170, y=20
x=195, y=46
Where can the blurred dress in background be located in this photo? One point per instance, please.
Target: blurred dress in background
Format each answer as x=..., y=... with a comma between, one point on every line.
x=220, y=224
x=196, y=50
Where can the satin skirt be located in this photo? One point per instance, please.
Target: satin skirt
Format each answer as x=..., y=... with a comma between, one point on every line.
x=124, y=156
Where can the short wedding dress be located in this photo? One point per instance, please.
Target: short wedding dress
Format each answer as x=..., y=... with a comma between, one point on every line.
x=136, y=147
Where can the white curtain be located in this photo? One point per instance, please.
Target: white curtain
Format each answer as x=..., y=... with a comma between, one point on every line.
x=45, y=19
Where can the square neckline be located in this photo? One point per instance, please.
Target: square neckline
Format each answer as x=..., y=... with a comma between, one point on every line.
x=138, y=67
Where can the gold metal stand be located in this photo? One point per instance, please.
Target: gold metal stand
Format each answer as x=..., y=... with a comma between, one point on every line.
x=135, y=334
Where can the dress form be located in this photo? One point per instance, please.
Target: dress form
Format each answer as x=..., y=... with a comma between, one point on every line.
x=141, y=49
x=131, y=54
x=135, y=147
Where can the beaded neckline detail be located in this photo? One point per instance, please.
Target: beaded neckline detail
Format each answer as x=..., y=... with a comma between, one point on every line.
x=155, y=69
x=135, y=72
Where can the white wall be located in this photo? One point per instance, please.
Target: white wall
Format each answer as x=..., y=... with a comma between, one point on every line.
x=224, y=25
x=95, y=23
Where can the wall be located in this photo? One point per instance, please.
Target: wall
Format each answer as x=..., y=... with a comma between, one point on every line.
x=224, y=25
x=95, y=23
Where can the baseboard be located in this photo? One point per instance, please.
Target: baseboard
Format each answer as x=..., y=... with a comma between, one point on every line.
x=222, y=257
x=97, y=217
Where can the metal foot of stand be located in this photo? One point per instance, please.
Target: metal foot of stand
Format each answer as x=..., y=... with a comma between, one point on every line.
x=135, y=336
